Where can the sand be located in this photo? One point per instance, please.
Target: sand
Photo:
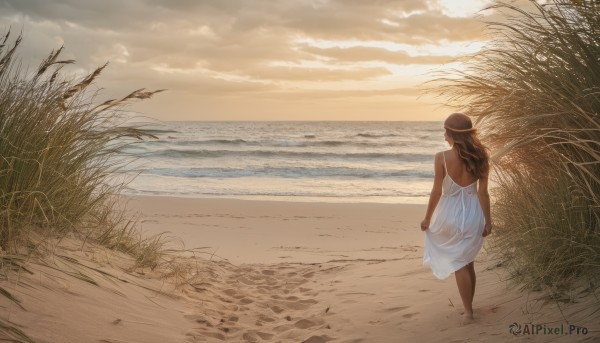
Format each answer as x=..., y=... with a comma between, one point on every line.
x=269, y=271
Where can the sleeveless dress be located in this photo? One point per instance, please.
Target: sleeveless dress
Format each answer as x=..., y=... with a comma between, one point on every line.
x=454, y=235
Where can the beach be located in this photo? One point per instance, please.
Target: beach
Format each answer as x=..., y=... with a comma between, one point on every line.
x=268, y=271
x=209, y=171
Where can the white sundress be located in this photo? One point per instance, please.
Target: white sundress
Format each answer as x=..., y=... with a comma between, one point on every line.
x=454, y=235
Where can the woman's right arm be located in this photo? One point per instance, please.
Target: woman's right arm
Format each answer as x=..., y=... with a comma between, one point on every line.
x=436, y=191
x=484, y=201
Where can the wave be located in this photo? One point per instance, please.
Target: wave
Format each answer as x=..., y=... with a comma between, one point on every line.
x=371, y=135
x=346, y=196
x=159, y=131
x=272, y=143
x=324, y=161
x=215, y=141
x=291, y=172
x=400, y=157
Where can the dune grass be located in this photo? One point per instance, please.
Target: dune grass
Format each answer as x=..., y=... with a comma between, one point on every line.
x=60, y=154
x=534, y=92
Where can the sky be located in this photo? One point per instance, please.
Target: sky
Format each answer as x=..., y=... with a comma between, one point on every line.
x=258, y=59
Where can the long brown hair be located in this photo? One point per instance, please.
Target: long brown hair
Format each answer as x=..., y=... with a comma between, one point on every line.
x=470, y=149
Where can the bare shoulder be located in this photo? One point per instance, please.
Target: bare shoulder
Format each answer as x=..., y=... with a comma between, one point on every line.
x=440, y=154
x=439, y=162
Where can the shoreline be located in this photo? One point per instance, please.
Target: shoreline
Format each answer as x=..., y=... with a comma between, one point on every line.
x=282, y=198
x=234, y=199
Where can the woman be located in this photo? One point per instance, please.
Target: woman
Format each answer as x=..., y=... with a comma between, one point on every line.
x=458, y=214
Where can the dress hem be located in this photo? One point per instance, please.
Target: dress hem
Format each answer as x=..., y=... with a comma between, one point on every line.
x=427, y=264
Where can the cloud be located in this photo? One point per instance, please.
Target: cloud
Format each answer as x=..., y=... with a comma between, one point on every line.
x=361, y=54
x=225, y=47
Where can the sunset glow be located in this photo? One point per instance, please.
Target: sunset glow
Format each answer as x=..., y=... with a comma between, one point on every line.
x=259, y=60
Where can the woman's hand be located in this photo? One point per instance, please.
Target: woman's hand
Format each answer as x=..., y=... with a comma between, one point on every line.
x=425, y=224
x=487, y=229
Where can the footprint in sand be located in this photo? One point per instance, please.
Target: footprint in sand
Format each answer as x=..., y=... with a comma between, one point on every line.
x=249, y=290
x=265, y=289
x=256, y=336
x=216, y=335
x=395, y=309
x=265, y=318
x=410, y=315
x=223, y=299
x=308, y=275
x=246, y=301
x=198, y=319
x=304, y=324
x=264, y=335
x=230, y=291
x=283, y=328
x=233, y=293
x=276, y=309
x=318, y=339
x=228, y=330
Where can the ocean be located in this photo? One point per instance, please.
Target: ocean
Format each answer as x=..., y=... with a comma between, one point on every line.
x=385, y=162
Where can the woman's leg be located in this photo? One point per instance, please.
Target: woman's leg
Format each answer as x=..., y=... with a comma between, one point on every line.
x=473, y=277
x=465, y=289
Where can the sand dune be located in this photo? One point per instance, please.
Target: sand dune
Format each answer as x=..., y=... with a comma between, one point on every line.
x=276, y=272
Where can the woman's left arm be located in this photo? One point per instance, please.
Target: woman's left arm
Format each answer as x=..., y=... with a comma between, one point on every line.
x=436, y=191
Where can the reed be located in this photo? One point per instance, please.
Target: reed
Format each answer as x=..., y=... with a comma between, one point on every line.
x=61, y=153
x=534, y=92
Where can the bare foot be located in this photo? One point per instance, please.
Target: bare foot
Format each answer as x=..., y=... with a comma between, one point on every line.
x=467, y=319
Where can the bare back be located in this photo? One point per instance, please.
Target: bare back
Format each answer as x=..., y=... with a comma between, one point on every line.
x=456, y=169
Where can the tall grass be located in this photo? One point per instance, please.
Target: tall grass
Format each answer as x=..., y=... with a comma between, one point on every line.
x=59, y=153
x=534, y=92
